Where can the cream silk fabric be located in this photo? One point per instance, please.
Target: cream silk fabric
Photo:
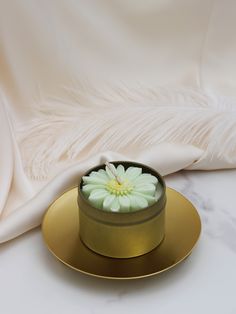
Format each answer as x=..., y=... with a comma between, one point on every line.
x=46, y=45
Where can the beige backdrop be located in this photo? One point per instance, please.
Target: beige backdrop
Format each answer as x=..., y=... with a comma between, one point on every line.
x=76, y=51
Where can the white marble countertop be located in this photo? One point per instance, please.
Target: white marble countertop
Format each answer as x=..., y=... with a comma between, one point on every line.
x=33, y=281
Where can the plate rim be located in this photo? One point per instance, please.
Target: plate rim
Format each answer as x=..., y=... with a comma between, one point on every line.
x=112, y=277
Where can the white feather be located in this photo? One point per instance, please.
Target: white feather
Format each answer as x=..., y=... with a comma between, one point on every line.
x=92, y=120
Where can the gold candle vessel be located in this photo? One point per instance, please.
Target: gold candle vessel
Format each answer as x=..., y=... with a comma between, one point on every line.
x=122, y=234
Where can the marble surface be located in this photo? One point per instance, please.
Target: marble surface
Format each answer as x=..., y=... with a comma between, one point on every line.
x=32, y=281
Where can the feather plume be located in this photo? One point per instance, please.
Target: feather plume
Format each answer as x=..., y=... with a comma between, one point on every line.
x=117, y=118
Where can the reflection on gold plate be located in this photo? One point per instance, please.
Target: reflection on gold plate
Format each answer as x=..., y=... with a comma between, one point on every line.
x=61, y=233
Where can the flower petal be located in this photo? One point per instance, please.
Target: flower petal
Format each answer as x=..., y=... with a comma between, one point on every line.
x=133, y=172
x=133, y=205
x=88, y=188
x=151, y=199
x=97, y=196
x=124, y=203
x=94, y=180
x=101, y=173
x=108, y=201
x=109, y=173
x=159, y=191
x=98, y=193
x=148, y=188
x=120, y=171
x=146, y=178
x=115, y=205
x=138, y=202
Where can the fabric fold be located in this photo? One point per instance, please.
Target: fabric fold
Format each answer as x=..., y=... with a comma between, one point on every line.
x=89, y=81
x=30, y=214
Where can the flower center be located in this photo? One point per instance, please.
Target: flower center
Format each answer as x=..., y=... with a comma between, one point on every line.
x=119, y=189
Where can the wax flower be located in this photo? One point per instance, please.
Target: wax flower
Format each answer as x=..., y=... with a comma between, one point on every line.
x=121, y=190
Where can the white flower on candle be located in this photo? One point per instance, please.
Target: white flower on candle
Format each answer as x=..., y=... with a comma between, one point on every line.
x=116, y=189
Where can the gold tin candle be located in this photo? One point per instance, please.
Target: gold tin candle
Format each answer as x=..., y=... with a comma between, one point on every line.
x=122, y=234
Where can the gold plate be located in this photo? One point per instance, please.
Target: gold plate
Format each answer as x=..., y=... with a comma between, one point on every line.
x=61, y=233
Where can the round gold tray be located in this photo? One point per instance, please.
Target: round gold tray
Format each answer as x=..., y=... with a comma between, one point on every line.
x=61, y=233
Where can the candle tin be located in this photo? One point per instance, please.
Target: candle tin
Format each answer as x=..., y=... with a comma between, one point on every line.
x=122, y=234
